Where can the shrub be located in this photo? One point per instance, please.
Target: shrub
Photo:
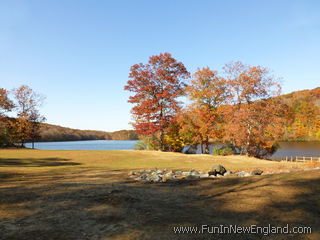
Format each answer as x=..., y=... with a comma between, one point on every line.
x=223, y=151
x=147, y=144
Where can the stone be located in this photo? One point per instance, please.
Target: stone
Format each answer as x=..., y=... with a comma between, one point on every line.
x=243, y=174
x=194, y=173
x=168, y=177
x=185, y=173
x=191, y=177
x=159, y=171
x=154, y=177
x=204, y=175
x=178, y=172
x=217, y=169
x=256, y=172
x=227, y=173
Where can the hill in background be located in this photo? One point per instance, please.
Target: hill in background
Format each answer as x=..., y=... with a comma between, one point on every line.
x=51, y=133
x=304, y=116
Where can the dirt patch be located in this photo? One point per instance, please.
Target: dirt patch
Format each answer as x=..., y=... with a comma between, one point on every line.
x=80, y=207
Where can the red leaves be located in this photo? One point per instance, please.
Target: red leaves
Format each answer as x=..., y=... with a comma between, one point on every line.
x=156, y=87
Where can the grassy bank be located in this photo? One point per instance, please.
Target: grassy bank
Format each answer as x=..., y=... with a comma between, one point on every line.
x=28, y=160
x=87, y=195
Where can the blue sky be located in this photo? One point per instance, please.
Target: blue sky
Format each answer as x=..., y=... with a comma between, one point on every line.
x=78, y=53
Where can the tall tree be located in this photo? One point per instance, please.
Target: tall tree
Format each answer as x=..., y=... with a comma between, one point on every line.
x=256, y=118
x=202, y=121
x=28, y=119
x=157, y=86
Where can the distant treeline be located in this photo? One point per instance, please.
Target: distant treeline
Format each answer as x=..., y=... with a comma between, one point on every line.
x=50, y=133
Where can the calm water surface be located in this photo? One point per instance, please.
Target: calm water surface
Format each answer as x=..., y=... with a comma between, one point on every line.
x=86, y=145
x=302, y=149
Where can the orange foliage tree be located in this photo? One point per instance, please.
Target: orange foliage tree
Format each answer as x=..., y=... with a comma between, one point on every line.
x=256, y=118
x=27, y=124
x=202, y=121
x=6, y=105
x=156, y=87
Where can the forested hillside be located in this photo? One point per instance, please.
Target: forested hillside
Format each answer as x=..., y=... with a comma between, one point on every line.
x=304, y=115
x=49, y=132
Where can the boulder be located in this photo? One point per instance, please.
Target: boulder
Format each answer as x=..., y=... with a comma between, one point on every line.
x=227, y=173
x=194, y=173
x=185, y=173
x=204, y=175
x=191, y=177
x=256, y=172
x=218, y=169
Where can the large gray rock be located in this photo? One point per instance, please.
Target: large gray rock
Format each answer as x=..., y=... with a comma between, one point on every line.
x=217, y=169
x=256, y=172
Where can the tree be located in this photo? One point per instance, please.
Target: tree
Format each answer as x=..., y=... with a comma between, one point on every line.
x=256, y=118
x=207, y=88
x=156, y=86
x=202, y=121
x=6, y=105
x=27, y=124
x=199, y=124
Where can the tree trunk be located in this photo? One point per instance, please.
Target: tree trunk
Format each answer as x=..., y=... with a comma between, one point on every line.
x=162, y=140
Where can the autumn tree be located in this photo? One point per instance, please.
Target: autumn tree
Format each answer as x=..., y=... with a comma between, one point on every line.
x=27, y=124
x=256, y=118
x=6, y=105
x=201, y=121
x=157, y=86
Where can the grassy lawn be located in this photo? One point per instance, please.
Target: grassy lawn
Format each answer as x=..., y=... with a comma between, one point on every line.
x=87, y=195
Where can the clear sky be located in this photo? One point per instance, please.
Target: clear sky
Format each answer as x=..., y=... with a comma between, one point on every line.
x=78, y=53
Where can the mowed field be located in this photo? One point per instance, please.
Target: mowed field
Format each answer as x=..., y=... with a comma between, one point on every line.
x=48, y=194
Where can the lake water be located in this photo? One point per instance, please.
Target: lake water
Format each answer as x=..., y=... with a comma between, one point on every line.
x=86, y=145
x=302, y=149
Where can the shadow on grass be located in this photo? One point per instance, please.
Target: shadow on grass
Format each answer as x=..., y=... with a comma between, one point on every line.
x=113, y=207
x=36, y=162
